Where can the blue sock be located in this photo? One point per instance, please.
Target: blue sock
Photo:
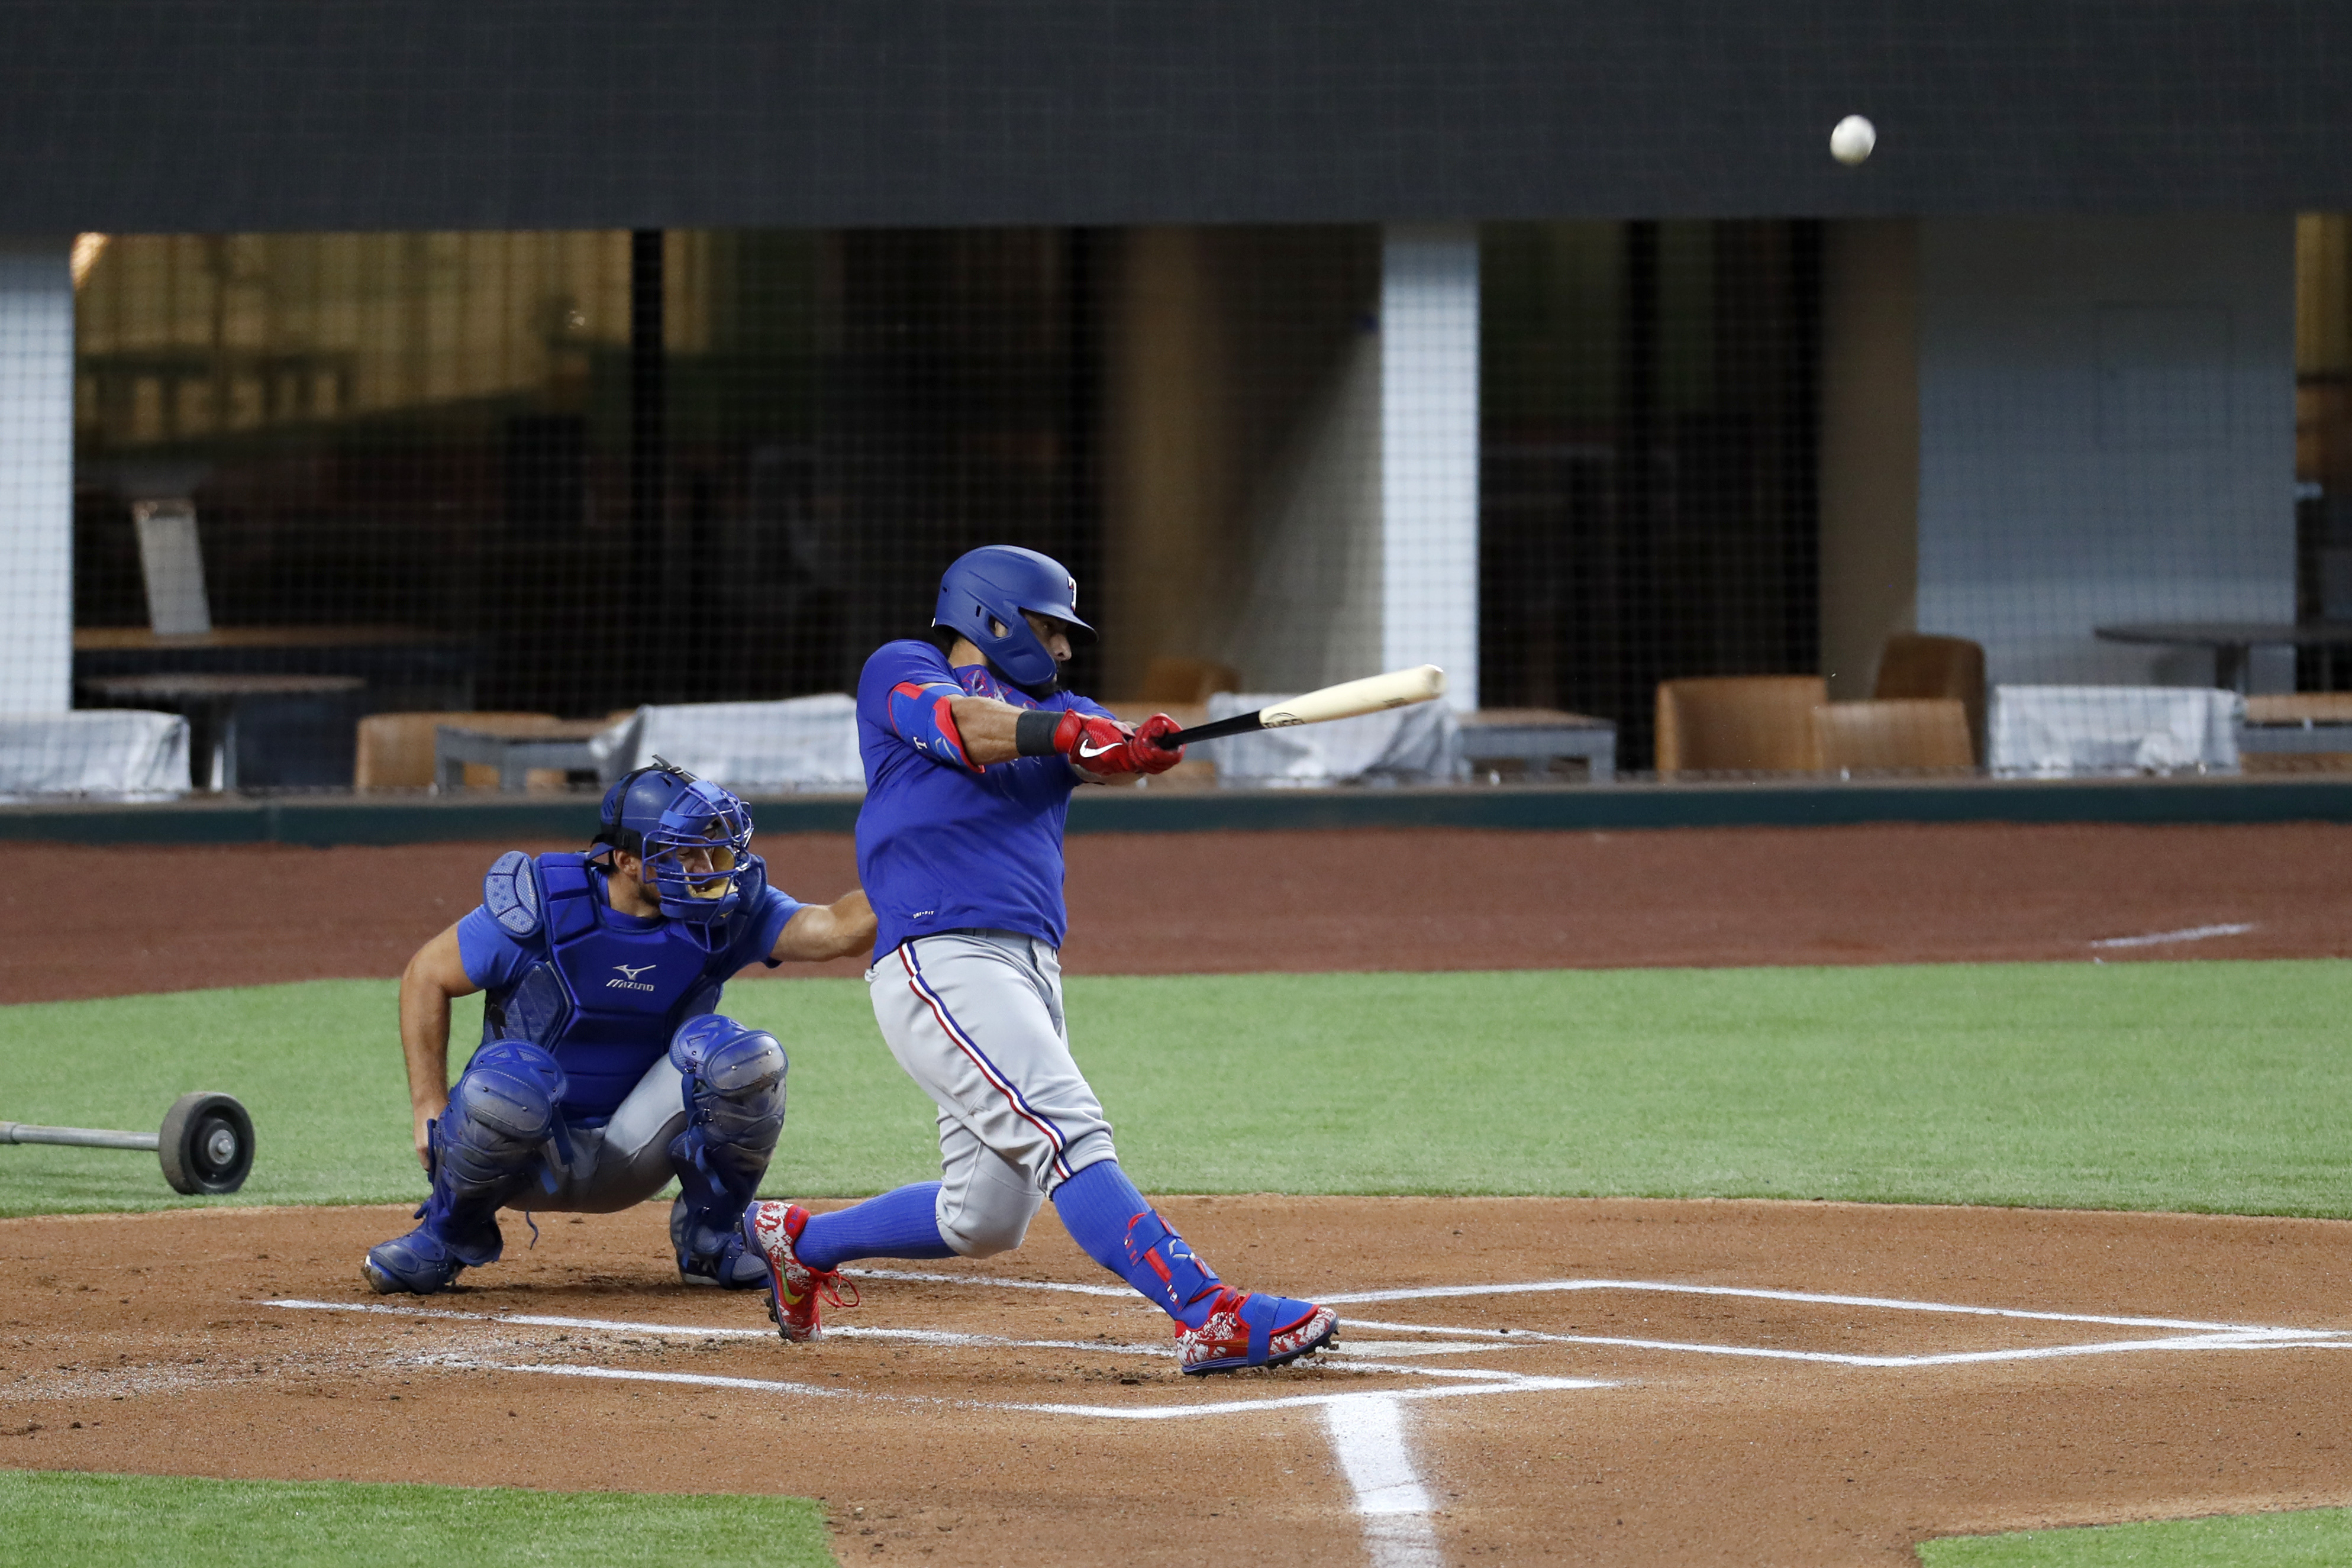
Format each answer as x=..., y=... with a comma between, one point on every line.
x=1106, y=1214
x=901, y=1223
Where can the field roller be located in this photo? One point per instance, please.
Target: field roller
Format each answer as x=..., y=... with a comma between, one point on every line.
x=204, y=1145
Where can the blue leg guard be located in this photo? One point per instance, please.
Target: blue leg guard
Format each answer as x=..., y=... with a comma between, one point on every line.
x=486, y=1149
x=1105, y=1215
x=735, y=1109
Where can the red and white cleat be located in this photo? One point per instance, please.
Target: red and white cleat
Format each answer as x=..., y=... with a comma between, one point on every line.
x=1251, y=1329
x=794, y=1289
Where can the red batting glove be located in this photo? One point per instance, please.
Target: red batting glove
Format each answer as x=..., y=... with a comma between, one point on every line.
x=1099, y=745
x=1150, y=756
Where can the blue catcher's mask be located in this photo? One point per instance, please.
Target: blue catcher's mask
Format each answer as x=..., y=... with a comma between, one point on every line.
x=982, y=596
x=693, y=838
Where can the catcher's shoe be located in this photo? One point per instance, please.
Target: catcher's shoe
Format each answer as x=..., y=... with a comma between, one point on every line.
x=1251, y=1329
x=794, y=1289
x=708, y=1257
x=419, y=1263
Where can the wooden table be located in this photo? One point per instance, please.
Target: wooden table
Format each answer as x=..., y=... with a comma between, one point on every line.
x=2230, y=641
x=313, y=737
x=436, y=670
x=516, y=750
x=1537, y=735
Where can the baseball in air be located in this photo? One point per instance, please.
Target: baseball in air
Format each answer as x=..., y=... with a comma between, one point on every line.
x=1852, y=139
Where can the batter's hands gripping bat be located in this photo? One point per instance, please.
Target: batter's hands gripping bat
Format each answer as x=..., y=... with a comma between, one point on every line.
x=1397, y=688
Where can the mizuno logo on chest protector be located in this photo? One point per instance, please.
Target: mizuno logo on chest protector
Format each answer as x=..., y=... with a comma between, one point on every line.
x=629, y=981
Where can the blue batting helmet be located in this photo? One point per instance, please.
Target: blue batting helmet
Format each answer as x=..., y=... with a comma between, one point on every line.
x=693, y=837
x=983, y=594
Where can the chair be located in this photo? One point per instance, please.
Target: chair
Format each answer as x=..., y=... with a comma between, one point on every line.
x=1166, y=680
x=395, y=749
x=1913, y=667
x=1902, y=734
x=1739, y=724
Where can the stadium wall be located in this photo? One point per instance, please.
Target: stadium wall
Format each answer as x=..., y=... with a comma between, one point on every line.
x=225, y=116
x=329, y=820
x=2106, y=413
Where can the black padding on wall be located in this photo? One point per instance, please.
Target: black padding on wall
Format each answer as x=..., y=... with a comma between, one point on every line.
x=217, y=115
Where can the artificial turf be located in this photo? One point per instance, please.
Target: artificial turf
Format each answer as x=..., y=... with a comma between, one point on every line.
x=2317, y=1538
x=61, y=1518
x=2200, y=1086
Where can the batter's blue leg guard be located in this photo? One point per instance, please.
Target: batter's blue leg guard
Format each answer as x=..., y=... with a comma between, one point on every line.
x=735, y=1109
x=486, y=1149
x=1105, y=1215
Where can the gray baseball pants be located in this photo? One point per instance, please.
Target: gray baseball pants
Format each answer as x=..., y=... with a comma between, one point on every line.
x=975, y=1017
x=622, y=1162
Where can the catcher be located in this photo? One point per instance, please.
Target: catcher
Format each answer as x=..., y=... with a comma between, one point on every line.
x=605, y=1068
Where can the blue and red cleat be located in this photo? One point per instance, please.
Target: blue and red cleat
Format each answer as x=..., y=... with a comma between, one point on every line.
x=1251, y=1329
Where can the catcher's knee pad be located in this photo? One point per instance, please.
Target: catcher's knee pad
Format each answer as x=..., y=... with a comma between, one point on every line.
x=734, y=1092
x=503, y=1113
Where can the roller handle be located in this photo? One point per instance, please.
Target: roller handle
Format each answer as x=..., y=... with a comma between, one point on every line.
x=76, y=1137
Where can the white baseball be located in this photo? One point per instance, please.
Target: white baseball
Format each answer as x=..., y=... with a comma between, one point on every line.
x=1852, y=140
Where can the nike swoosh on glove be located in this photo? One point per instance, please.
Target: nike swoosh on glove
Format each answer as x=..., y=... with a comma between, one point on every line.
x=1101, y=746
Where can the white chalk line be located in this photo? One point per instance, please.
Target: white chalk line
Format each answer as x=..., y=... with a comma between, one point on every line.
x=1368, y=1438
x=1538, y=1286
x=1887, y=1303
x=1511, y=1385
x=694, y=1331
x=1413, y=1347
x=2162, y=938
x=1356, y=1361
x=2280, y=1339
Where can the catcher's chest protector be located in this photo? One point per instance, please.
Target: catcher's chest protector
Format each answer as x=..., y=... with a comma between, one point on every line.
x=612, y=991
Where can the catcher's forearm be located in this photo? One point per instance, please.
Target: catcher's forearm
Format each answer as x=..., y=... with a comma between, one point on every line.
x=435, y=974
x=425, y=1043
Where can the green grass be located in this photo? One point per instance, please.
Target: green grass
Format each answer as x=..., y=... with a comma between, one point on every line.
x=58, y=1518
x=2321, y=1538
x=2217, y=1087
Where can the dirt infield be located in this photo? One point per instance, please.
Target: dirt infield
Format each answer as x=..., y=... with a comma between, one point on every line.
x=981, y=1421
x=1540, y=1380
x=173, y=919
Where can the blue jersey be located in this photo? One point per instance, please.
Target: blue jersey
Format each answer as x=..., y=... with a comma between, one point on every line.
x=603, y=991
x=942, y=843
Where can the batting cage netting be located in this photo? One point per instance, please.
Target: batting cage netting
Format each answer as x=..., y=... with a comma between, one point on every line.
x=1992, y=496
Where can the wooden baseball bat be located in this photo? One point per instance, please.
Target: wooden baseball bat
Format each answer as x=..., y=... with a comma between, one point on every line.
x=1397, y=688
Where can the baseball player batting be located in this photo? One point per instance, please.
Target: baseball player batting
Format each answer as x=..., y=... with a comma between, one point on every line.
x=972, y=747
x=605, y=1068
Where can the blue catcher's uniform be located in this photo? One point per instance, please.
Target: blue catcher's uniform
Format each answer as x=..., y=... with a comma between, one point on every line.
x=604, y=1069
x=599, y=990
